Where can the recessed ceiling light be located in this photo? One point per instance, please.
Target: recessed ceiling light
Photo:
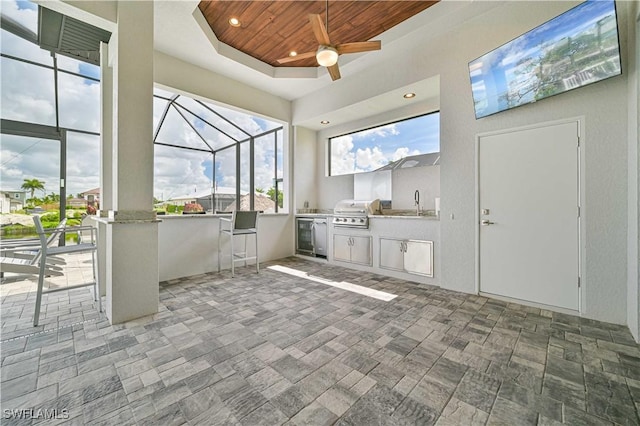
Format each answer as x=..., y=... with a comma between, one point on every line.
x=234, y=22
x=409, y=95
x=324, y=122
x=293, y=53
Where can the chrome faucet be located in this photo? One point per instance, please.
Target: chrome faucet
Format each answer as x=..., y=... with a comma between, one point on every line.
x=416, y=198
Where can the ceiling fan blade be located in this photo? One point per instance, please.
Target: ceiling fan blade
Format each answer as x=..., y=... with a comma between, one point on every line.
x=334, y=72
x=319, y=29
x=361, y=46
x=298, y=57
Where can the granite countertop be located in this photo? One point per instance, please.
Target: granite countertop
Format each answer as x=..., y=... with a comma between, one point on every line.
x=386, y=214
x=404, y=216
x=314, y=214
x=407, y=214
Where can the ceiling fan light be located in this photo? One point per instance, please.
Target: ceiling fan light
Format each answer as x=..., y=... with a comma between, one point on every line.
x=326, y=56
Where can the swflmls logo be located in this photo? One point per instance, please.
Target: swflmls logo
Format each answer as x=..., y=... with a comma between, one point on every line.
x=36, y=414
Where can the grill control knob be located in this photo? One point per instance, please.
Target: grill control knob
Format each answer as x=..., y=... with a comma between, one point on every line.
x=361, y=220
x=353, y=220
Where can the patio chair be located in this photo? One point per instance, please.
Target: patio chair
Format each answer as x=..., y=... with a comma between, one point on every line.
x=22, y=256
x=241, y=223
x=46, y=251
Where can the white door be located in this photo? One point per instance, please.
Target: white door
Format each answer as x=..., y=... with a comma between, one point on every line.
x=392, y=254
x=361, y=250
x=342, y=248
x=418, y=257
x=528, y=195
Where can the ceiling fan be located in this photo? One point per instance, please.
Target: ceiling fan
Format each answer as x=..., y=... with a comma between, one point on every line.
x=327, y=53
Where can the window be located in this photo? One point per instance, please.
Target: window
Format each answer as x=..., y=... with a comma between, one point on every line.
x=374, y=148
x=62, y=96
x=217, y=157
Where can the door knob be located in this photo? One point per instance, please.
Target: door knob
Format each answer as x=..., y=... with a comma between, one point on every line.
x=486, y=222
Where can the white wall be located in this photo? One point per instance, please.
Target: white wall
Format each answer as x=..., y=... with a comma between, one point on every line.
x=604, y=206
x=199, y=82
x=304, y=167
x=633, y=241
x=603, y=106
x=188, y=245
x=424, y=179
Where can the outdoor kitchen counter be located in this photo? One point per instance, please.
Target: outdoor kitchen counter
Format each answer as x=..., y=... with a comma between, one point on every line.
x=384, y=231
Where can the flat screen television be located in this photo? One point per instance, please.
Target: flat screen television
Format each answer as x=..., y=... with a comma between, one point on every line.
x=574, y=49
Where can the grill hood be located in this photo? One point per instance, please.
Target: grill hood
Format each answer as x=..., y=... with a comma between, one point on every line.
x=357, y=207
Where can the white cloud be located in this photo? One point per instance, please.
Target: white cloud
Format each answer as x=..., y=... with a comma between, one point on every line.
x=343, y=159
x=403, y=152
x=26, y=17
x=369, y=159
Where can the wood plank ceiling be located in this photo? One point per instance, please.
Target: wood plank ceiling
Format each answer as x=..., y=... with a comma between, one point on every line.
x=269, y=30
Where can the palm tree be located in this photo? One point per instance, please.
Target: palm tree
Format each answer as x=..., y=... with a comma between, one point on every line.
x=32, y=185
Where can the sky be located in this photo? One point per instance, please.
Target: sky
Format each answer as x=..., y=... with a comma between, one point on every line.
x=27, y=95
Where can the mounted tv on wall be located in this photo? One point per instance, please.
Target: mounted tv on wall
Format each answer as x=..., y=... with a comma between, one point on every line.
x=574, y=49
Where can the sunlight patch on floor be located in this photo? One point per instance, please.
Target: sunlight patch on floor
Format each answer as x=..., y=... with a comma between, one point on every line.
x=354, y=288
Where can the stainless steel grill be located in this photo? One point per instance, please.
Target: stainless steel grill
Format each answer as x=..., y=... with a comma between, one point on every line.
x=354, y=213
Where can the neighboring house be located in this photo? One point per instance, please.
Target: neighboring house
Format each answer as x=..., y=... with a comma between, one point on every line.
x=261, y=203
x=92, y=197
x=11, y=201
x=77, y=202
x=222, y=198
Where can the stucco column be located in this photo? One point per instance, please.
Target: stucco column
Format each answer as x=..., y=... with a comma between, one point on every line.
x=106, y=131
x=106, y=156
x=132, y=230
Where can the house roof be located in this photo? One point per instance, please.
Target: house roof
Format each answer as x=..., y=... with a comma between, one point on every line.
x=261, y=203
x=95, y=191
x=207, y=193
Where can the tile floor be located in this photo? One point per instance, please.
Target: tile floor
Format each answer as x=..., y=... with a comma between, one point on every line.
x=274, y=349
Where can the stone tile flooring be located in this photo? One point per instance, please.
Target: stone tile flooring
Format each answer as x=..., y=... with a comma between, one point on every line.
x=274, y=349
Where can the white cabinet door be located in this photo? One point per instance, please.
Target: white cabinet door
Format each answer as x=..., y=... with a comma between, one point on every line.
x=342, y=248
x=361, y=250
x=418, y=257
x=391, y=254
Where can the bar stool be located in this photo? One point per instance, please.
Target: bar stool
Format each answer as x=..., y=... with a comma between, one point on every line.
x=241, y=223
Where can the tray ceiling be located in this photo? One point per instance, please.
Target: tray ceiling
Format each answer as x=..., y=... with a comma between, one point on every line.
x=269, y=30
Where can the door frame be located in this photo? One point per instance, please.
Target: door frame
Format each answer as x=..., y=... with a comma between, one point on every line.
x=582, y=301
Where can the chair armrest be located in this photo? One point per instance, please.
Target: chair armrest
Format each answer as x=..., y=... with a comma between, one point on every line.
x=29, y=249
x=19, y=243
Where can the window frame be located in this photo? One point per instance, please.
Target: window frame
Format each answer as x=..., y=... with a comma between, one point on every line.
x=364, y=129
x=235, y=144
